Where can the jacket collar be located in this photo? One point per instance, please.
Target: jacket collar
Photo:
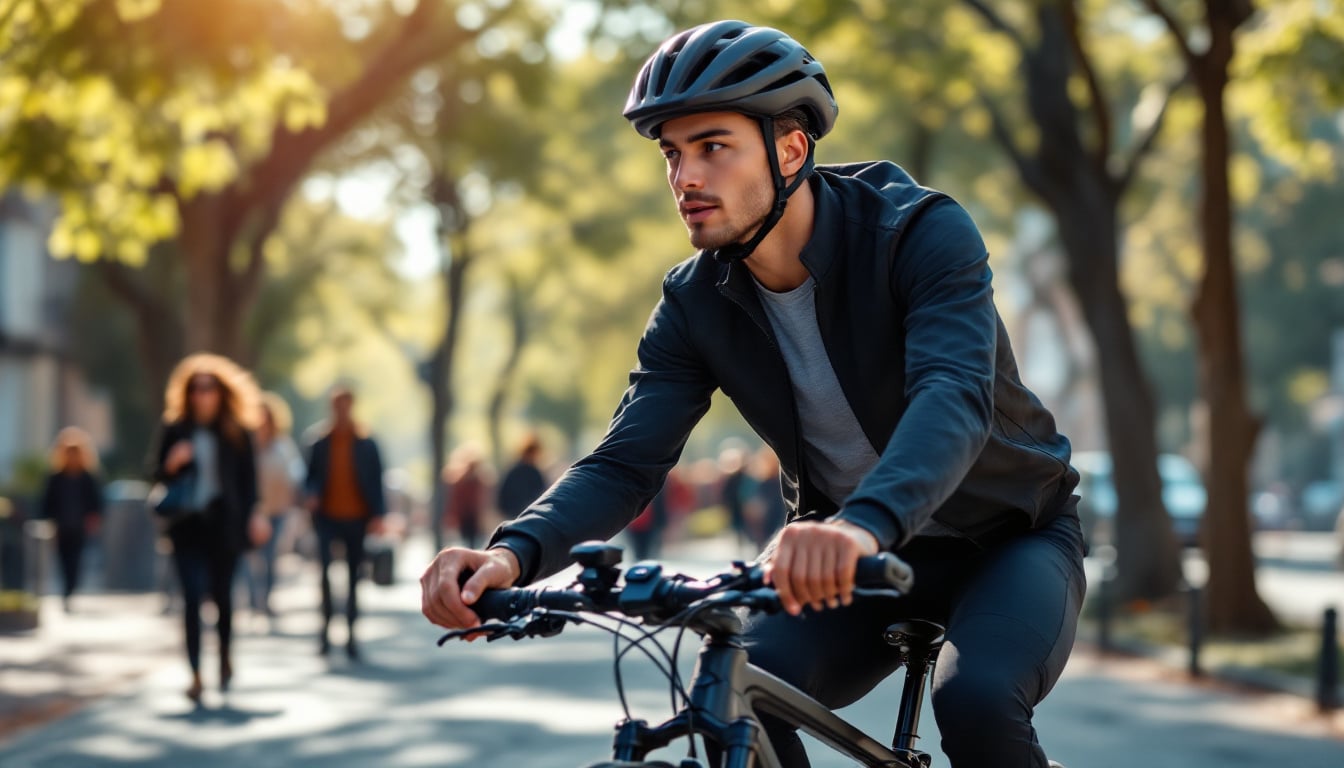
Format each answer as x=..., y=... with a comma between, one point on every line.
x=817, y=255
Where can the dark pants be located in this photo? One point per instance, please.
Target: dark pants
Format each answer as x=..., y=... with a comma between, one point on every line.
x=1010, y=614
x=204, y=564
x=261, y=570
x=351, y=535
x=70, y=549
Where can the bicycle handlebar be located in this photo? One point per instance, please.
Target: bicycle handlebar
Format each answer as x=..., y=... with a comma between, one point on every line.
x=649, y=593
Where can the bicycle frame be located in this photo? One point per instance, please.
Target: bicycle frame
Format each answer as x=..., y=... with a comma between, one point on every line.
x=727, y=691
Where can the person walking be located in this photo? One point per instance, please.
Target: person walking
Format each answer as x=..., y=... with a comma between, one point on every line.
x=468, y=493
x=734, y=490
x=73, y=501
x=848, y=313
x=345, y=495
x=523, y=482
x=766, y=509
x=209, y=407
x=280, y=477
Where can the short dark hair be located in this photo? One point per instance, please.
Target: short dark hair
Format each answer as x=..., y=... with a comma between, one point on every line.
x=791, y=120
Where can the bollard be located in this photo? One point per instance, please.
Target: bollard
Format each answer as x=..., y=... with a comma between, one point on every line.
x=1105, y=554
x=1105, y=607
x=1327, y=679
x=1196, y=630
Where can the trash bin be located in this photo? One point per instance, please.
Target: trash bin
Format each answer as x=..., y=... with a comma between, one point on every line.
x=129, y=534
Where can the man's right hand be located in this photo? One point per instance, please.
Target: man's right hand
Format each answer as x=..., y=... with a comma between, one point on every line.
x=443, y=603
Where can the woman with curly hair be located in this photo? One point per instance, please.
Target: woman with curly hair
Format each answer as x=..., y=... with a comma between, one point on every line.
x=209, y=407
x=72, y=500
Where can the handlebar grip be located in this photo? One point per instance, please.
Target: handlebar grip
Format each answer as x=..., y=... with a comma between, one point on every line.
x=503, y=604
x=884, y=571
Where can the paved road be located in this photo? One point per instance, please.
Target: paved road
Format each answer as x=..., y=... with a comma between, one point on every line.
x=550, y=704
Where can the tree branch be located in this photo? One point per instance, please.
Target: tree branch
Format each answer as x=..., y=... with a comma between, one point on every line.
x=414, y=44
x=1101, y=109
x=997, y=23
x=1177, y=32
x=1141, y=150
x=1028, y=168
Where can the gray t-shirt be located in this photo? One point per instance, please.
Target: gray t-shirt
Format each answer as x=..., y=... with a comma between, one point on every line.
x=838, y=454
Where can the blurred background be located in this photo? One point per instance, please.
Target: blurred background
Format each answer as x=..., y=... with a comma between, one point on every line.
x=439, y=203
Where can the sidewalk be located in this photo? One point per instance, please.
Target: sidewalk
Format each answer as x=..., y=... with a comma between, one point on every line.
x=111, y=641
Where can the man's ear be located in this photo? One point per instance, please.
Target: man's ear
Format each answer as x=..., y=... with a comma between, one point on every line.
x=792, y=152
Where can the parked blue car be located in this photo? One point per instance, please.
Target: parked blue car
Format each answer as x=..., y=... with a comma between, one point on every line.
x=1182, y=491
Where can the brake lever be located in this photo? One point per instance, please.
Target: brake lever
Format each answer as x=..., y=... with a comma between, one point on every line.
x=458, y=634
x=543, y=625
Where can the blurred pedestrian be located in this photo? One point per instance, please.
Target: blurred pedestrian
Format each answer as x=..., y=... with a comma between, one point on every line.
x=280, y=475
x=765, y=509
x=523, y=483
x=734, y=489
x=345, y=495
x=467, y=493
x=209, y=407
x=73, y=501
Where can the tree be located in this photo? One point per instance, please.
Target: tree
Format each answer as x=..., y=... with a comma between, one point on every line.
x=195, y=142
x=1076, y=167
x=1233, y=603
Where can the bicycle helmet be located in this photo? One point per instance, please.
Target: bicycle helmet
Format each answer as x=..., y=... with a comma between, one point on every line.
x=732, y=66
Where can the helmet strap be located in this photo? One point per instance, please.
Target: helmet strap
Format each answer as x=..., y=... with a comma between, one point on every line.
x=783, y=191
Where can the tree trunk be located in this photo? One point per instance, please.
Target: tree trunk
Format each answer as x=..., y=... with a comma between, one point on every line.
x=1075, y=183
x=518, y=320
x=158, y=325
x=224, y=268
x=456, y=259
x=1147, y=553
x=1233, y=603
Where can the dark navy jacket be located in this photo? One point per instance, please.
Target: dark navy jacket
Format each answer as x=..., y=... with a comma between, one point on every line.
x=906, y=312
x=368, y=472
x=237, y=480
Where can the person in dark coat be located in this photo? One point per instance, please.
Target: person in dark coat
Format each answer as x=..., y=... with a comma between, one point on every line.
x=523, y=483
x=345, y=495
x=467, y=489
x=73, y=501
x=209, y=407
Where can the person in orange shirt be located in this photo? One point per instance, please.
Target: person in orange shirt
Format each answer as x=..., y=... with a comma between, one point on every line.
x=345, y=495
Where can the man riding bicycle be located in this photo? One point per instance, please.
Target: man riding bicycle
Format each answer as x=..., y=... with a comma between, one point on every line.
x=848, y=313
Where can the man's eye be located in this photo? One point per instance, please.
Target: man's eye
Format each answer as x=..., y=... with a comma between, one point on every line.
x=713, y=146
x=669, y=154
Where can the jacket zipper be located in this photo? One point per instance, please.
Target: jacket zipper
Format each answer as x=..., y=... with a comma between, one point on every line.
x=769, y=334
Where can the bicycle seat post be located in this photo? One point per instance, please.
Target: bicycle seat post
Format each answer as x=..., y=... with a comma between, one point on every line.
x=918, y=643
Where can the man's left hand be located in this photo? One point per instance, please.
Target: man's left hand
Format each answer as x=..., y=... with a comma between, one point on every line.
x=813, y=564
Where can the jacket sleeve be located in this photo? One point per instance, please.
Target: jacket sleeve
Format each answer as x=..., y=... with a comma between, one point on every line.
x=94, y=494
x=316, y=470
x=168, y=437
x=941, y=275
x=247, y=476
x=669, y=392
x=378, y=507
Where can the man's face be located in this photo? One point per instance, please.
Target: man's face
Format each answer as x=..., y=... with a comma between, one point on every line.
x=720, y=175
x=341, y=406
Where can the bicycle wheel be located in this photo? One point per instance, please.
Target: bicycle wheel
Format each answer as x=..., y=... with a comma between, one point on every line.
x=623, y=764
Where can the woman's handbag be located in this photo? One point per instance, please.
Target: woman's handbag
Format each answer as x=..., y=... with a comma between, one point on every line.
x=177, y=501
